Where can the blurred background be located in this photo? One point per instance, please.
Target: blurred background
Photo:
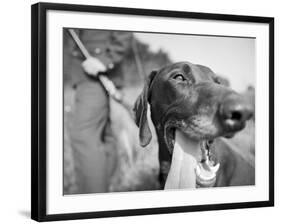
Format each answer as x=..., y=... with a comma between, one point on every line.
x=232, y=58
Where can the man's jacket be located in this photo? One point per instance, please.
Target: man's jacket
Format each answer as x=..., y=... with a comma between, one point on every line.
x=108, y=46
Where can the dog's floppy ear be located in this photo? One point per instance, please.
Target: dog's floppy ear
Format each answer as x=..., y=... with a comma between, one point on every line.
x=140, y=110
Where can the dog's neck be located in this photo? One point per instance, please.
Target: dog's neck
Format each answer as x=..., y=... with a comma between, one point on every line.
x=186, y=153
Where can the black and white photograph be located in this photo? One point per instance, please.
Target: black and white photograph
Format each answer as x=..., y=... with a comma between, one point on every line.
x=140, y=112
x=157, y=111
x=135, y=111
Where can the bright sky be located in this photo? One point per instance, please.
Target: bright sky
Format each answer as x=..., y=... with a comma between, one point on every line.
x=233, y=58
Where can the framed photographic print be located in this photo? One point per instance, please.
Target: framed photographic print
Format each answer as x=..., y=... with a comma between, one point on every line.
x=139, y=111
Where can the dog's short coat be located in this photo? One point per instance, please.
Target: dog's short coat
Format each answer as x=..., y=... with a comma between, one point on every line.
x=190, y=98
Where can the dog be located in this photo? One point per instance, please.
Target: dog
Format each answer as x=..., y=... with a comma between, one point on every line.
x=189, y=105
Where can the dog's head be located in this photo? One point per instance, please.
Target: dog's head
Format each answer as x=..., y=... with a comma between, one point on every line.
x=190, y=98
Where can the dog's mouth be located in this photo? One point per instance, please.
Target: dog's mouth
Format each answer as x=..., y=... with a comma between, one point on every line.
x=199, y=169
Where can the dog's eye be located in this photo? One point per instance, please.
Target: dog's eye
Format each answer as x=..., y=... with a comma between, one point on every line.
x=179, y=77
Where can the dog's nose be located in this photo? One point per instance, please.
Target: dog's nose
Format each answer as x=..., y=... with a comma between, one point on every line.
x=234, y=112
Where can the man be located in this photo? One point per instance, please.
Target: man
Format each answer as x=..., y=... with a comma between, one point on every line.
x=92, y=140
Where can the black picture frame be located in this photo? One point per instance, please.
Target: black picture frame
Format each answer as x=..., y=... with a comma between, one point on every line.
x=39, y=107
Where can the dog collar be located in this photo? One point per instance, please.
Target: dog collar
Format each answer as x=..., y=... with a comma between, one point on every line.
x=206, y=170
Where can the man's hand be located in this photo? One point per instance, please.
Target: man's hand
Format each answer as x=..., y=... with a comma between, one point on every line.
x=93, y=66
